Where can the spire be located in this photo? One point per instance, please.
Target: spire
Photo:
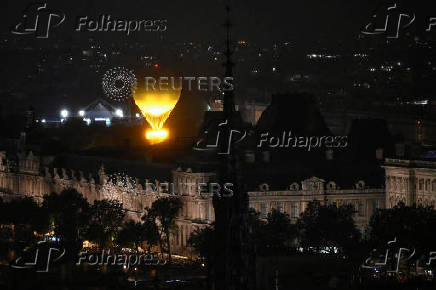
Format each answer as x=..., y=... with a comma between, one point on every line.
x=229, y=102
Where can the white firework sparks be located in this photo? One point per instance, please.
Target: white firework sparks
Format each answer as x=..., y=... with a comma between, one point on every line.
x=119, y=84
x=120, y=187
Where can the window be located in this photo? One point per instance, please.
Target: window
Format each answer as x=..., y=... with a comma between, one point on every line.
x=360, y=208
x=421, y=184
x=263, y=210
x=280, y=207
x=375, y=204
x=294, y=210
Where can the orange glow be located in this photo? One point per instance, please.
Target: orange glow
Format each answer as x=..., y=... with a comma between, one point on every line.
x=156, y=136
x=156, y=106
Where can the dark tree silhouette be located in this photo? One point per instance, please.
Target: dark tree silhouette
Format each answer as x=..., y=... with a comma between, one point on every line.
x=328, y=227
x=274, y=236
x=164, y=212
x=409, y=225
x=131, y=235
x=107, y=217
x=70, y=214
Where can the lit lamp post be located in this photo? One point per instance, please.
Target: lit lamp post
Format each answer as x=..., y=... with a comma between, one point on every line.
x=64, y=115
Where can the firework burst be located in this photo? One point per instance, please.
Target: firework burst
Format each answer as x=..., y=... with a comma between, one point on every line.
x=122, y=188
x=119, y=84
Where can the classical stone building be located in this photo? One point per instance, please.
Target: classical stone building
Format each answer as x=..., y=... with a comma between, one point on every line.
x=295, y=199
x=411, y=182
x=407, y=181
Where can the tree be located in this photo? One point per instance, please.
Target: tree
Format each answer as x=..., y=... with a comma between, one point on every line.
x=26, y=216
x=150, y=231
x=201, y=239
x=409, y=225
x=131, y=234
x=328, y=227
x=276, y=235
x=70, y=214
x=107, y=217
x=163, y=212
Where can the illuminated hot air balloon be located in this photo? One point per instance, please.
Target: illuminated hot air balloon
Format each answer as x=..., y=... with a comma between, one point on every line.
x=156, y=106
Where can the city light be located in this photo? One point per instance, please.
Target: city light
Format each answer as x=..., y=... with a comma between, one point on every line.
x=81, y=113
x=156, y=136
x=119, y=113
x=87, y=120
x=64, y=113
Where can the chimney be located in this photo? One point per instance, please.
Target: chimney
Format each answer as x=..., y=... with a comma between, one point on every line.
x=250, y=157
x=329, y=154
x=266, y=156
x=400, y=150
x=379, y=153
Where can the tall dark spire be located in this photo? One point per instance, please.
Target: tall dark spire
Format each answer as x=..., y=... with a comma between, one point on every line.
x=229, y=98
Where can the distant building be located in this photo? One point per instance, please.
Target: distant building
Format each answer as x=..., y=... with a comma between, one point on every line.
x=101, y=111
x=408, y=181
x=411, y=182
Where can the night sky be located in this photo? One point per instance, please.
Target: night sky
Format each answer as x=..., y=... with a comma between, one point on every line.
x=200, y=20
x=306, y=24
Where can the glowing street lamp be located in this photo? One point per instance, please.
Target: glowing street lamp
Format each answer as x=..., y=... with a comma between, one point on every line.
x=119, y=113
x=81, y=113
x=64, y=113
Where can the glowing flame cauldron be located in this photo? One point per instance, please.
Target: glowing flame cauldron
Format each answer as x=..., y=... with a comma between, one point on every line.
x=156, y=106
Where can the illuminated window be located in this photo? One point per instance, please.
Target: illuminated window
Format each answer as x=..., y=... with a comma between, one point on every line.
x=294, y=210
x=263, y=210
x=375, y=204
x=280, y=207
x=360, y=208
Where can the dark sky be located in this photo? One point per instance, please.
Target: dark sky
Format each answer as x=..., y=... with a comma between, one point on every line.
x=303, y=22
x=200, y=20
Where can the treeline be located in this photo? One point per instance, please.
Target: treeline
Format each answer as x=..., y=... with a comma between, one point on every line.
x=69, y=219
x=328, y=229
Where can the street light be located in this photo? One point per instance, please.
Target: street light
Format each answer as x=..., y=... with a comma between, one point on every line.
x=119, y=113
x=81, y=113
x=64, y=113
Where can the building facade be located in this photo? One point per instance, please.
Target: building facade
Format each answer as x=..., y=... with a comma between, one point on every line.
x=407, y=181
x=410, y=182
